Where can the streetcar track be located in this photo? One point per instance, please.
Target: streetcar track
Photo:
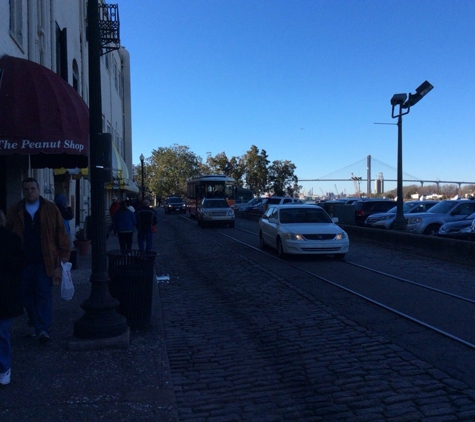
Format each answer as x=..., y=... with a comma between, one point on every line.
x=362, y=296
x=392, y=276
x=366, y=298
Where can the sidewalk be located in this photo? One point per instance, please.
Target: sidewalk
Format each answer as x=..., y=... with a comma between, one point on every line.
x=51, y=383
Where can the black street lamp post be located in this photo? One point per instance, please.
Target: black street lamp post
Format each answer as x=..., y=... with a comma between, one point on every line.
x=142, y=158
x=100, y=326
x=404, y=103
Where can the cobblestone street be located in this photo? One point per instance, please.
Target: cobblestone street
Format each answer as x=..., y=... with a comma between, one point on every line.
x=244, y=346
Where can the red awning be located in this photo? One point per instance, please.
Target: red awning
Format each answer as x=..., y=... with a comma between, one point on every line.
x=42, y=115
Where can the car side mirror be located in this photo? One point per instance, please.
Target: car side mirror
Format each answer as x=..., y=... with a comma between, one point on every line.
x=335, y=220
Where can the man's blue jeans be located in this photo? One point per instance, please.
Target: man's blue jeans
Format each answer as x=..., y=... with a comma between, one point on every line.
x=145, y=240
x=5, y=349
x=37, y=295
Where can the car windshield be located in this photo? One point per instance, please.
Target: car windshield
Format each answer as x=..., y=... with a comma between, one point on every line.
x=407, y=206
x=442, y=207
x=215, y=203
x=254, y=201
x=303, y=215
x=174, y=200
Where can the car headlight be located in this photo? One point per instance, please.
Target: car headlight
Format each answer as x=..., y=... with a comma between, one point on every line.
x=341, y=236
x=414, y=220
x=292, y=236
x=230, y=213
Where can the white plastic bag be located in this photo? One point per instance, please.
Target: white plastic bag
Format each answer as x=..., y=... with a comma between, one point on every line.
x=67, y=286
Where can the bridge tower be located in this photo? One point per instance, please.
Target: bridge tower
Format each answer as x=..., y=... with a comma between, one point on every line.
x=368, y=176
x=379, y=184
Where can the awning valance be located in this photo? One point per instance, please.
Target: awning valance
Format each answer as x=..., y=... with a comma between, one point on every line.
x=120, y=174
x=76, y=173
x=41, y=115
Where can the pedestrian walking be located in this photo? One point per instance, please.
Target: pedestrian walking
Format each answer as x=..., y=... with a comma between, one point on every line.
x=130, y=206
x=66, y=212
x=112, y=209
x=11, y=266
x=146, y=220
x=46, y=244
x=124, y=224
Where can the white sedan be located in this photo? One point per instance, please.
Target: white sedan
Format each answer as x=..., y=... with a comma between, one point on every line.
x=302, y=229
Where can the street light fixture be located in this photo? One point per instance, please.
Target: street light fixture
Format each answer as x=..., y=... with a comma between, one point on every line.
x=404, y=103
x=142, y=158
x=101, y=326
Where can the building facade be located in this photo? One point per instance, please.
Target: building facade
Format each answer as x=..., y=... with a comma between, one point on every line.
x=53, y=34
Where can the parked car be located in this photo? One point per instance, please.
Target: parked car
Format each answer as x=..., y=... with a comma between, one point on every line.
x=429, y=222
x=461, y=229
x=174, y=204
x=384, y=220
x=366, y=207
x=261, y=205
x=253, y=203
x=302, y=229
x=214, y=211
x=242, y=198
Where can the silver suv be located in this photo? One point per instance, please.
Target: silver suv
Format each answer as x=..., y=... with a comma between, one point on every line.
x=445, y=211
x=214, y=211
x=385, y=220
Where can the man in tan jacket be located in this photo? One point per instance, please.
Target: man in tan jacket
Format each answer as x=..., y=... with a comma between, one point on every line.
x=39, y=224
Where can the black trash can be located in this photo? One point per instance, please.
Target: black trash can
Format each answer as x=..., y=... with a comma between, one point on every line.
x=131, y=283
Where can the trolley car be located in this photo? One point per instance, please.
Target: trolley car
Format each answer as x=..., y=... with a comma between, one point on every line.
x=209, y=186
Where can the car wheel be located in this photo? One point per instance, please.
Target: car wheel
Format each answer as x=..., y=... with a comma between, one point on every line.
x=432, y=230
x=262, y=244
x=340, y=256
x=280, y=249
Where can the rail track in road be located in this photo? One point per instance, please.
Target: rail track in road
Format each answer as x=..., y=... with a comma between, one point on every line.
x=445, y=312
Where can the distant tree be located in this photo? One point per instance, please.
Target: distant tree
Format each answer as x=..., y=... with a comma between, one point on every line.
x=169, y=167
x=281, y=179
x=255, y=175
x=233, y=167
x=219, y=164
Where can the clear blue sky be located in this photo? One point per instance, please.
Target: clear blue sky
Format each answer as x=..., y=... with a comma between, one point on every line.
x=306, y=80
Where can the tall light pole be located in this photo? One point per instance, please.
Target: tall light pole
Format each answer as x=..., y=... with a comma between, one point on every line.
x=142, y=158
x=101, y=325
x=404, y=103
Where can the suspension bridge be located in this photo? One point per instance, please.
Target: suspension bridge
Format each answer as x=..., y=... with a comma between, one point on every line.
x=379, y=181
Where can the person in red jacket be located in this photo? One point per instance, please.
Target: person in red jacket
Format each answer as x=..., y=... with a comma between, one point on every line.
x=114, y=206
x=112, y=210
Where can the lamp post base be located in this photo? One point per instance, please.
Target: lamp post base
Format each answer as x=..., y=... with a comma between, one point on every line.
x=81, y=345
x=101, y=322
x=399, y=224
